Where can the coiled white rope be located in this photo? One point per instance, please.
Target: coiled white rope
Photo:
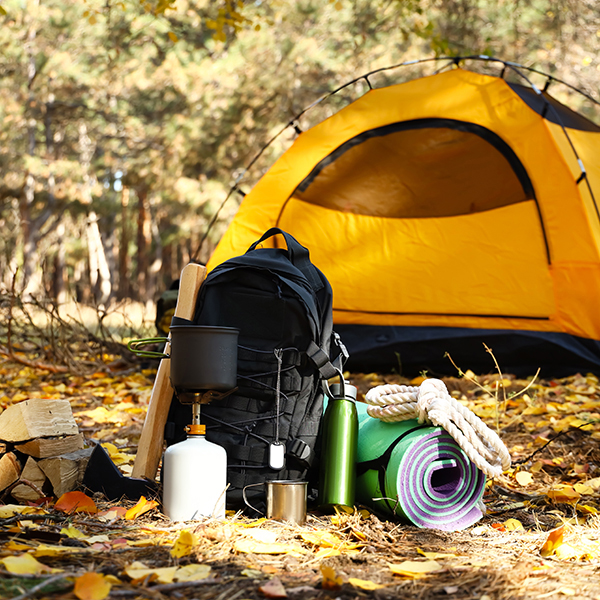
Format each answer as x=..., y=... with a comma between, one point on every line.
x=431, y=403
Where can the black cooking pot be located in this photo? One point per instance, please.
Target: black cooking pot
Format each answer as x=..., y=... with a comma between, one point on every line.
x=202, y=357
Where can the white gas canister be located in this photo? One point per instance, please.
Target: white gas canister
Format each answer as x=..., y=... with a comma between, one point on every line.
x=194, y=478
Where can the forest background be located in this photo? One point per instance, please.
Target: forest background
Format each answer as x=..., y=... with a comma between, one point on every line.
x=124, y=124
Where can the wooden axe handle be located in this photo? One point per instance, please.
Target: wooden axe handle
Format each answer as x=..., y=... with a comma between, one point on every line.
x=150, y=446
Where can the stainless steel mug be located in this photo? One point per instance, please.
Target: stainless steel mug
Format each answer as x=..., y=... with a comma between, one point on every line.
x=286, y=500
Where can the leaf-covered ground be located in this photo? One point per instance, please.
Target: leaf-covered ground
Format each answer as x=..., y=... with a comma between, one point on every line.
x=539, y=539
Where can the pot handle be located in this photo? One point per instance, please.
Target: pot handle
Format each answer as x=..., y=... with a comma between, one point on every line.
x=135, y=345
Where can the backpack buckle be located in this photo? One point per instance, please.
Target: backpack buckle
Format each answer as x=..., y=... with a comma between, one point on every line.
x=301, y=452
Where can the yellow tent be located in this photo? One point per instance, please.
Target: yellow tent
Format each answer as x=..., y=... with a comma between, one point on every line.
x=448, y=212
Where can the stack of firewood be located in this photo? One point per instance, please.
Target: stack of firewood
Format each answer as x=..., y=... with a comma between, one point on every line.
x=42, y=453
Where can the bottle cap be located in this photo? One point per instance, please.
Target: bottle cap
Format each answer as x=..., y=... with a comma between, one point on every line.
x=195, y=429
x=350, y=391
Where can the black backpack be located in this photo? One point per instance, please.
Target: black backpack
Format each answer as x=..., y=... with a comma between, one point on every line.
x=282, y=305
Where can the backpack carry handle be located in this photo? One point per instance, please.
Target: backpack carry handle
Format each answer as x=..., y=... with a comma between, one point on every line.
x=299, y=255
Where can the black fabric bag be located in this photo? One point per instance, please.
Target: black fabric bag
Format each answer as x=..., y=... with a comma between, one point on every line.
x=282, y=305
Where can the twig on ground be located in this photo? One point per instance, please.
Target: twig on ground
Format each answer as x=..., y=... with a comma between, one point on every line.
x=164, y=587
x=40, y=586
x=563, y=432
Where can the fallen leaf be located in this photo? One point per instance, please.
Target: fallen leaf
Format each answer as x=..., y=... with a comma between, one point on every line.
x=262, y=535
x=138, y=572
x=415, y=569
x=92, y=586
x=273, y=589
x=327, y=553
x=10, y=510
x=143, y=506
x=252, y=574
x=434, y=555
x=250, y=546
x=553, y=541
x=26, y=564
x=524, y=478
x=116, y=512
x=364, y=584
x=322, y=538
x=73, y=532
x=566, y=591
x=183, y=544
x=564, y=494
x=75, y=502
x=583, y=489
x=513, y=525
x=194, y=572
x=53, y=550
x=330, y=581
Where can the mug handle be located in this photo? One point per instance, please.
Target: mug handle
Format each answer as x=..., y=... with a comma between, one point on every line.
x=246, y=499
x=134, y=346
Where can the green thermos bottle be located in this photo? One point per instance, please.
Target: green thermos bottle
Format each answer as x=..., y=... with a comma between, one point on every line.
x=337, y=477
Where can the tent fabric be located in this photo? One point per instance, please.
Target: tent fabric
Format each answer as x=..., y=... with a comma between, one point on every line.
x=453, y=203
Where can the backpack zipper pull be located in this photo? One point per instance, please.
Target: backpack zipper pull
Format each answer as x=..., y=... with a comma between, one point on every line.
x=276, y=448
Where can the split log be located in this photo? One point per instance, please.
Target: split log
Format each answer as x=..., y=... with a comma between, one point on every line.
x=33, y=474
x=10, y=470
x=35, y=418
x=54, y=446
x=66, y=472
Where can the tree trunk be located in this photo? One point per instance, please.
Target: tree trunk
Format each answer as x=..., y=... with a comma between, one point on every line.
x=124, y=288
x=99, y=271
x=143, y=244
x=32, y=277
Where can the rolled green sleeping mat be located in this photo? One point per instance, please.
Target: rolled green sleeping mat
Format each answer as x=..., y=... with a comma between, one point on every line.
x=416, y=472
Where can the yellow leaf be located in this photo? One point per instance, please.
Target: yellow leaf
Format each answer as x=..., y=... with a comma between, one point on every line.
x=183, y=544
x=192, y=572
x=327, y=553
x=566, y=552
x=434, y=555
x=262, y=535
x=143, y=543
x=415, y=569
x=143, y=506
x=593, y=483
x=565, y=494
x=554, y=540
x=322, y=538
x=52, y=550
x=10, y=510
x=513, y=525
x=537, y=466
x=583, y=489
x=92, y=586
x=524, y=478
x=330, y=581
x=25, y=564
x=172, y=36
x=587, y=510
x=73, y=532
x=138, y=571
x=363, y=584
x=250, y=546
